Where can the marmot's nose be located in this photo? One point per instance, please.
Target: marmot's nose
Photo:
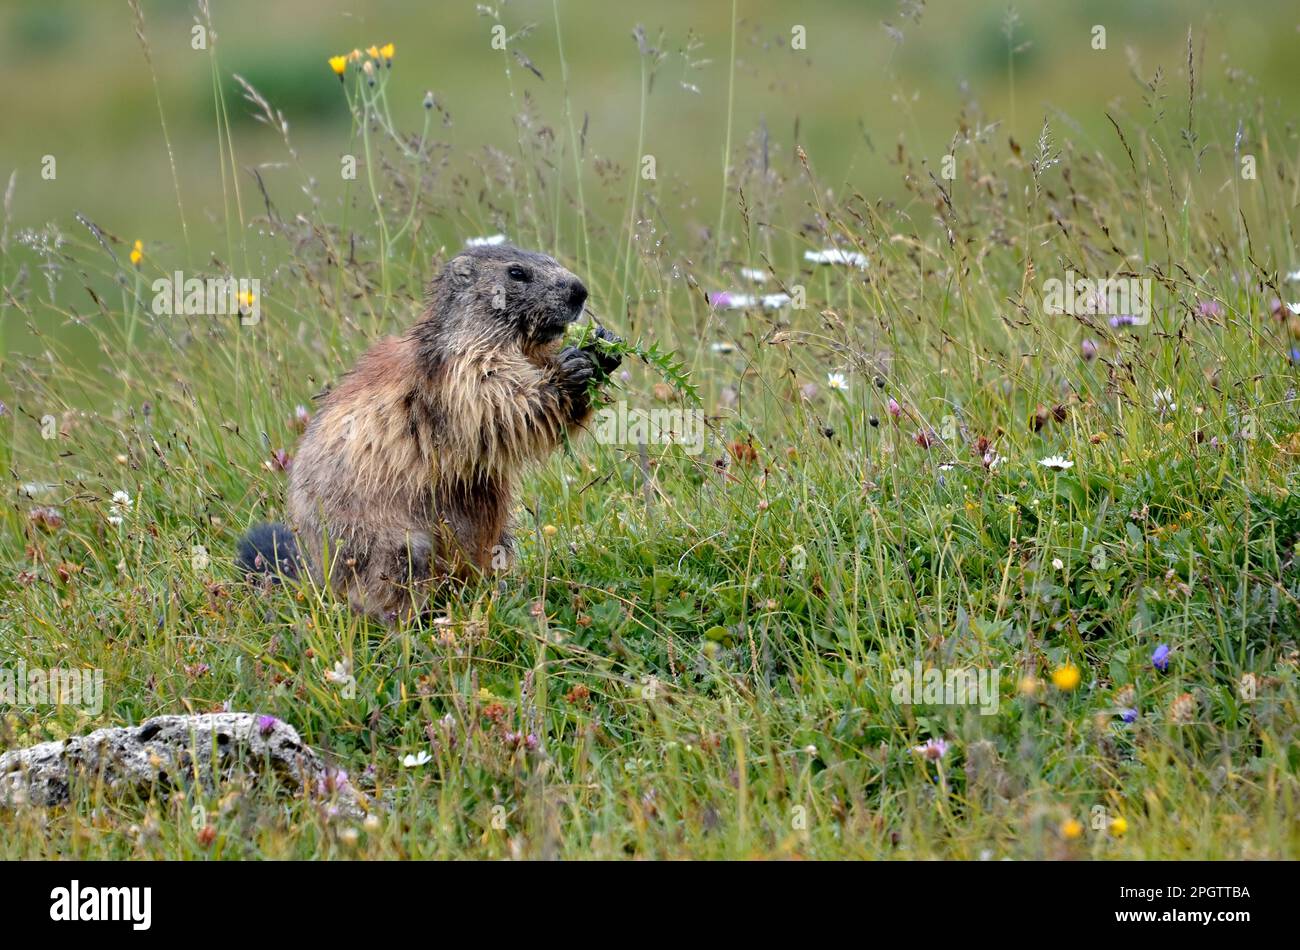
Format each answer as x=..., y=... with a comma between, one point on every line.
x=577, y=295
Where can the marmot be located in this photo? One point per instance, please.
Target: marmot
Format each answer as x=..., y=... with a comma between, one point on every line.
x=408, y=471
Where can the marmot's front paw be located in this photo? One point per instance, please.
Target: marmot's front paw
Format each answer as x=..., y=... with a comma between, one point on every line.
x=577, y=368
x=606, y=360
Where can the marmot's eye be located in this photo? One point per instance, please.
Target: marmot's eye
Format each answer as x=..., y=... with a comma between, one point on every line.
x=519, y=274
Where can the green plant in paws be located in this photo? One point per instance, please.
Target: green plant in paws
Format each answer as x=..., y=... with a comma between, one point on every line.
x=667, y=363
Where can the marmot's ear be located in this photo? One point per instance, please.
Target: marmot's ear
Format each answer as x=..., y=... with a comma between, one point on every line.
x=461, y=270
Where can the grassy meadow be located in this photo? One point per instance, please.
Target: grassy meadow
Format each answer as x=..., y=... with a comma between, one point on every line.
x=909, y=462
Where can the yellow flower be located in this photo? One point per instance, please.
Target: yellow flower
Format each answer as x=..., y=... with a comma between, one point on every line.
x=354, y=55
x=1028, y=685
x=1072, y=829
x=550, y=530
x=137, y=253
x=1066, y=677
x=372, y=52
x=1118, y=827
x=387, y=51
x=246, y=299
x=338, y=64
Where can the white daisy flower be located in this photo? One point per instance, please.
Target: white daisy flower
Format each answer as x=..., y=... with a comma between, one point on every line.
x=488, y=241
x=835, y=255
x=414, y=761
x=837, y=381
x=1058, y=463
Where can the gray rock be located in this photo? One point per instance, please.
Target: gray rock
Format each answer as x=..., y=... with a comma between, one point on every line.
x=174, y=751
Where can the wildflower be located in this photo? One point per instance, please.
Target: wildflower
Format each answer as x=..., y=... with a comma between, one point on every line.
x=334, y=780
x=245, y=299
x=414, y=761
x=1129, y=715
x=1028, y=685
x=371, y=823
x=1209, y=308
x=280, y=461
x=809, y=391
x=488, y=241
x=372, y=52
x=354, y=56
x=48, y=519
x=387, y=51
x=428, y=99
x=1123, y=320
x=137, y=253
x=725, y=300
x=924, y=438
x=339, y=64
x=119, y=508
x=1183, y=709
x=1058, y=564
x=301, y=416
x=1088, y=350
x=368, y=67
x=341, y=675
x=837, y=381
x=550, y=530
x=1160, y=658
x=1066, y=677
x=836, y=256
x=894, y=408
x=1163, y=400
x=1056, y=463
x=265, y=724
x=932, y=749
x=754, y=275
x=1071, y=829
x=1118, y=826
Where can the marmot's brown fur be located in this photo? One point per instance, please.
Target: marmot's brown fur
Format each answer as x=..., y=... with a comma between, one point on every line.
x=407, y=472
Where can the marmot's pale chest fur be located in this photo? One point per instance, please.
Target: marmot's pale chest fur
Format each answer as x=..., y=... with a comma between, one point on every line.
x=408, y=470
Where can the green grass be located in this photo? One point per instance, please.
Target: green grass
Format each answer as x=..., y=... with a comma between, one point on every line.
x=698, y=660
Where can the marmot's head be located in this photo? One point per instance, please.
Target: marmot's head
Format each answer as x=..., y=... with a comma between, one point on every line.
x=502, y=293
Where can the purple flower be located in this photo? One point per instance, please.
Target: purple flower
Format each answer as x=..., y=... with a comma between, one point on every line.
x=1129, y=715
x=1160, y=659
x=266, y=723
x=721, y=299
x=1088, y=348
x=1295, y=354
x=1123, y=320
x=1209, y=308
x=334, y=780
x=932, y=749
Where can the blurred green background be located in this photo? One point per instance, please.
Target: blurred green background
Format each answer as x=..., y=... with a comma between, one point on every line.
x=74, y=84
x=878, y=79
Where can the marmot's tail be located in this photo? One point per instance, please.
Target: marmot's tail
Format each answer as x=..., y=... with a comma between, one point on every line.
x=268, y=548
